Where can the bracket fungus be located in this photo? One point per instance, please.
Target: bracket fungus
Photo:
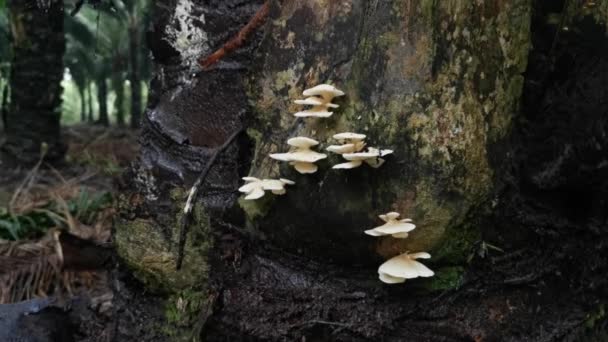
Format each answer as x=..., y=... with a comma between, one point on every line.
x=398, y=269
x=319, y=98
x=302, y=158
x=351, y=143
x=394, y=227
x=372, y=157
x=255, y=188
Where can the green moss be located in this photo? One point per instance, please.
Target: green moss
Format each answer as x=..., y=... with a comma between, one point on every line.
x=455, y=245
x=182, y=312
x=598, y=315
x=258, y=208
x=445, y=278
x=152, y=256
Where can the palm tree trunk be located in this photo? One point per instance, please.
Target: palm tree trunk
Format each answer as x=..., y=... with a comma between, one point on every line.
x=91, y=112
x=134, y=76
x=83, y=104
x=119, y=89
x=4, y=106
x=37, y=70
x=102, y=98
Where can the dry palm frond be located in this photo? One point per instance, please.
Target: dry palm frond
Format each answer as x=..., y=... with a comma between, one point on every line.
x=29, y=270
x=51, y=265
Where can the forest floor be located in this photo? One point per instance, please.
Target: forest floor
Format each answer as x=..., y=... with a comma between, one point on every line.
x=55, y=221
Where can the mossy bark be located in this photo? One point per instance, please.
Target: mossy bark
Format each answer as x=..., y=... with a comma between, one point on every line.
x=440, y=83
x=437, y=82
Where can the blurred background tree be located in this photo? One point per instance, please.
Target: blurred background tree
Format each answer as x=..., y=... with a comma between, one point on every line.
x=108, y=63
x=36, y=70
x=100, y=62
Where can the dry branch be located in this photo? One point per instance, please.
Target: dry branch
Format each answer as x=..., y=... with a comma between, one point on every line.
x=183, y=232
x=237, y=41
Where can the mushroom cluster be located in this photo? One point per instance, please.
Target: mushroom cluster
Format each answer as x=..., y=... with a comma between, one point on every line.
x=394, y=227
x=404, y=266
x=302, y=157
x=319, y=98
x=352, y=150
x=371, y=157
x=255, y=188
x=398, y=269
x=351, y=143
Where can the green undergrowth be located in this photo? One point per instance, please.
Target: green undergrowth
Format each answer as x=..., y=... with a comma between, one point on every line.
x=36, y=221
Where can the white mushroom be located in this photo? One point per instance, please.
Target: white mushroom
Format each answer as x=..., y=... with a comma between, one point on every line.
x=394, y=227
x=371, y=157
x=348, y=136
x=283, y=182
x=255, y=188
x=326, y=91
x=319, y=98
x=351, y=143
x=404, y=266
x=302, y=158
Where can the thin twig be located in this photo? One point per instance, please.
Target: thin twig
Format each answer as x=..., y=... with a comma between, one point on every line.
x=183, y=232
x=27, y=182
x=237, y=41
x=77, y=8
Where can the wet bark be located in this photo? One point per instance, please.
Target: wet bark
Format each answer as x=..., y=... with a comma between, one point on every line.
x=36, y=73
x=510, y=202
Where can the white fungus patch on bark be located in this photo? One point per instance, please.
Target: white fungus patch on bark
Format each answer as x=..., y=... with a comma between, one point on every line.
x=186, y=35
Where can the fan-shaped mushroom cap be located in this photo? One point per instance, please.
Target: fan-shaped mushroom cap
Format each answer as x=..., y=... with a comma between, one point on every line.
x=302, y=142
x=272, y=184
x=277, y=186
x=306, y=156
x=371, y=157
x=249, y=187
x=255, y=194
x=310, y=101
x=385, y=278
x=349, y=136
x=389, y=216
x=404, y=266
x=360, y=155
x=317, y=113
x=304, y=167
x=254, y=188
x=341, y=149
x=349, y=165
x=394, y=227
x=324, y=90
x=302, y=158
x=390, y=228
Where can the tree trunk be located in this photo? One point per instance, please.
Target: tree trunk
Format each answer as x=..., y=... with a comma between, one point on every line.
x=119, y=88
x=134, y=76
x=36, y=73
x=516, y=244
x=83, y=103
x=4, y=106
x=91, y=114
x=102, y=98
